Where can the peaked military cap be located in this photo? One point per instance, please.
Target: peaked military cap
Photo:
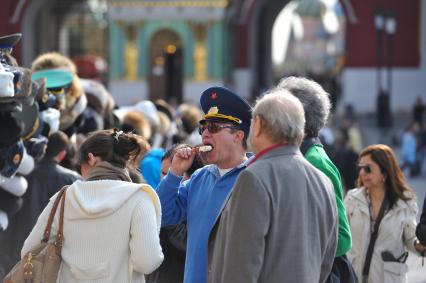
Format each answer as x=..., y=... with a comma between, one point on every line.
x=223, y=105
x=55, y=78
x=10, y=40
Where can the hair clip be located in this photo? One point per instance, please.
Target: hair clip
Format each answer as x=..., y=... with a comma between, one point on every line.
x=117, y=134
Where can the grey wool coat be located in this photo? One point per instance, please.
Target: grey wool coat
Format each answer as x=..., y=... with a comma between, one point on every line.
x=278, y=225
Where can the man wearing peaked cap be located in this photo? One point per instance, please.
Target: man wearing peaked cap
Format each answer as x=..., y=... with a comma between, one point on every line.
x=62, y=81
x=223, y=105
x=15, y=81
x=10, y=40
x=224, y=129
x=7, y=43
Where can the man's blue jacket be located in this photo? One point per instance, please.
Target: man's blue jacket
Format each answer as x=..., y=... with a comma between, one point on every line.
x=198, y=200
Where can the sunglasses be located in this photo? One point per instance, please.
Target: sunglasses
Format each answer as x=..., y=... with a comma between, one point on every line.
x=366, y=168
x=214, y=128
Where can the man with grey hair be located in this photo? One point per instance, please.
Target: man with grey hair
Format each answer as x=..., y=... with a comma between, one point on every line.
x=276, y=225
x=316, y=103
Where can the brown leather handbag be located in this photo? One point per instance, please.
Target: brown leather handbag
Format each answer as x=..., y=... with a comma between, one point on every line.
x=42, y=263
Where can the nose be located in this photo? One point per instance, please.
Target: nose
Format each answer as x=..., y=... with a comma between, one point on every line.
x=205, y=132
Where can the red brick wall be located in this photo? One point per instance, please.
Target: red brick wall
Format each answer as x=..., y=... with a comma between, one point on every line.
x=361, y=37
x=7, y=11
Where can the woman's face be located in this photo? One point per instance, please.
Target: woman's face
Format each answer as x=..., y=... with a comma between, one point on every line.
x=369, y=173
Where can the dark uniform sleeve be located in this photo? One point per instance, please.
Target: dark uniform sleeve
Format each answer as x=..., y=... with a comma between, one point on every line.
x=421, y=227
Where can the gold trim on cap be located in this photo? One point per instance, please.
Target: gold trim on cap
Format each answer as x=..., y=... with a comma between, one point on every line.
x=33, y=130
x=221, y=116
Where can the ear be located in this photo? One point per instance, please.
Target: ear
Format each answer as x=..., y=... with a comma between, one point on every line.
x=239, y=136
x=92, y=160
x=61, y=155
x=257, y=126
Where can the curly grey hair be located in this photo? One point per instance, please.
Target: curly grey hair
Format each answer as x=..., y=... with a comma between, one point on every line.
x=315, y=100
x=283, y=116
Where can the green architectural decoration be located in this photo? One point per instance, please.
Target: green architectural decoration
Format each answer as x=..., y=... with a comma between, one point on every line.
x=116, y=44
x=213, y=43
x=145, y=33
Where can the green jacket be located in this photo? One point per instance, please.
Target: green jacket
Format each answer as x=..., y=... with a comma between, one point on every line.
x=317, y=156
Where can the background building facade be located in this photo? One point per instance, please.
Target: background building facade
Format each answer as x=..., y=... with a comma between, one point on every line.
x=173, y=49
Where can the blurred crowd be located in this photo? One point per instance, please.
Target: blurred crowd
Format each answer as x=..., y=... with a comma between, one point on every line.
x=46, y=112
x=227, y=193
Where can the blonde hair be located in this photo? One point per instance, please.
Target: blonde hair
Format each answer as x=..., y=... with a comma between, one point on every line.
x=139, y=122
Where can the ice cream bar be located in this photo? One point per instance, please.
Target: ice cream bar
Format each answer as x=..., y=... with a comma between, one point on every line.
x=204, y=148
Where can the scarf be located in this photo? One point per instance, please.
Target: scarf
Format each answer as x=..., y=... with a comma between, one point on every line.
x=106, y=171
x=308, y=142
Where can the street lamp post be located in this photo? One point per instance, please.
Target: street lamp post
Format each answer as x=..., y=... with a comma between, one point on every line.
x=379, y=23
x=384, y=21
x=390, y=28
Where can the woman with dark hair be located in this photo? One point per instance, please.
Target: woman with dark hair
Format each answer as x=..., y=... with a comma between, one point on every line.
x=111, y=225
x=382, y=216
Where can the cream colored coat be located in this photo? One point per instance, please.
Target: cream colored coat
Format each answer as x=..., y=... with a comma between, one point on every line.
x=396, y=234
x=111, y=232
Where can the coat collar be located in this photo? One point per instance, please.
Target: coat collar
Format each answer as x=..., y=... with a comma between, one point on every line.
x=282, y=150
x=360, y=195
x=213, y=169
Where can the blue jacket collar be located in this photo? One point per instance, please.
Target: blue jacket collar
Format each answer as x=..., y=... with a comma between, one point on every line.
x=212, y=168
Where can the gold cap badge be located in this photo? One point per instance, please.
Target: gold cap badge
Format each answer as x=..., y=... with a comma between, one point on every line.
x=16, y=158
x=213, y=110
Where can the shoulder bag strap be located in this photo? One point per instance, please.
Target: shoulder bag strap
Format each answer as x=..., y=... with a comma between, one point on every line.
x=373, y=238
x=59, y=236
x=46, y=234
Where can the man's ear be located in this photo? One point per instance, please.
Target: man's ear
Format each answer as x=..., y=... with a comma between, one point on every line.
x=239, y=135
x=61, y=155
x=92, y=160
x=257, y=126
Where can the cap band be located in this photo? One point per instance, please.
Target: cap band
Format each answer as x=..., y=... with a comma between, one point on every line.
x=55, y=78
x=221, y=116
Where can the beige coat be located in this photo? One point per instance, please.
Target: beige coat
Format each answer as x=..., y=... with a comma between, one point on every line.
x=396, y=235
x=110, y=232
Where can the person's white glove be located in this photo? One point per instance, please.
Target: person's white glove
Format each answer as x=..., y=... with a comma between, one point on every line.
x=51, y=117
x=4, y=220
x=27, y=164
x=6, y=83
x=16, y=185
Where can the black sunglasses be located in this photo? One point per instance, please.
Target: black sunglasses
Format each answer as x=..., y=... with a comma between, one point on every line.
x=366, y=168
x=214, y=128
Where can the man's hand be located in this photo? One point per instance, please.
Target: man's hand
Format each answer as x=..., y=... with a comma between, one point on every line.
x=182, y=160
